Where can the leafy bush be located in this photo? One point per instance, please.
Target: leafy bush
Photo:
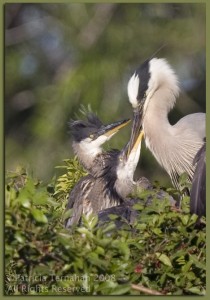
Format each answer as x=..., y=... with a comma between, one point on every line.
x=161, y=253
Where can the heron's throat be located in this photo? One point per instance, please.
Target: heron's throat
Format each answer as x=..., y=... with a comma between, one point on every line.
x=124, y=186
x=86, y=154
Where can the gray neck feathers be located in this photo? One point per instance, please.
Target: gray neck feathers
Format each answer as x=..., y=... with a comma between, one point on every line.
x=172, y=146
x=91, y=159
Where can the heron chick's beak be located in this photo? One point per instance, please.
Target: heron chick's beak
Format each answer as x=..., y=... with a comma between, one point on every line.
x=133, y=146
x=113, y=128
x=136, y=127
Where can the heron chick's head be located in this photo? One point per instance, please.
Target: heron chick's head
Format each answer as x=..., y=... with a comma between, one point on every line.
x=89, y=135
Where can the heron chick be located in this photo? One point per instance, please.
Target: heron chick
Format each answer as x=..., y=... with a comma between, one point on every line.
x=152, y=91
x=88, y=137
x=114, y=182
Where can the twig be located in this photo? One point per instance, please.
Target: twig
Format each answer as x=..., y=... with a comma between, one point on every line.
x=32, y=29
x=95, y=27
x=145, y=290
x=199, y=255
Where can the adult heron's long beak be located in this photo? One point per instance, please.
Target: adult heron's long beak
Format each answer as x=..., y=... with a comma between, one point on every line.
x=111, y=129
x=136, y=127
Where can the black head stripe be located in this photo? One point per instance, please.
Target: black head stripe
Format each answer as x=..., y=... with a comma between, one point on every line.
x=144, y=75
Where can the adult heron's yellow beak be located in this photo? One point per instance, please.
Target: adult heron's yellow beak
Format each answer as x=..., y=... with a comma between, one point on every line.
x=136, y=127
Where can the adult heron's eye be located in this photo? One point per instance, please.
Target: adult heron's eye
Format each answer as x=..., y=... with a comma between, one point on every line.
x=91, y=136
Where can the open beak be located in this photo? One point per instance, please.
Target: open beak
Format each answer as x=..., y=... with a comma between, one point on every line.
x=136, y=127
x=134, y=146
x=111, y=129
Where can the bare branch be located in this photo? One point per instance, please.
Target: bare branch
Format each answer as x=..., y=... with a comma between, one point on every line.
x=145, y=290
x=90, y=34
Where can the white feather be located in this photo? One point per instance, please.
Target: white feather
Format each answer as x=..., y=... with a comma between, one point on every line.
x=162, y=79
x=89, y=147
x=133, y=87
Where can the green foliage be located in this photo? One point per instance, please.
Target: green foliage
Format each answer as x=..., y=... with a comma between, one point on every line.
x=162, y=250
x=66, y=182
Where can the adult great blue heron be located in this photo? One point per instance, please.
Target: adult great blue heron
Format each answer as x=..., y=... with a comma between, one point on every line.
x=152, y=91
x=111, y=183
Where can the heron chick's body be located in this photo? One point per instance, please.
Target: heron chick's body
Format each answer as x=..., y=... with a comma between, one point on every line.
x=89, y=195
x=92, y=193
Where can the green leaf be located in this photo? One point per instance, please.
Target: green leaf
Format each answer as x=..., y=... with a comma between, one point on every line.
x=164, y=259
x=121, y=289
x=104, y=242
x=196, y=290
x=95, y=260
x=40, y=198
x=109, y=227
x=100, y=250
x=39, y=216
x=19, y=237
x=52, y=202
x=93, y=222
x=184, y=219
x=187, y=266
x=198, y=263
x=25, y=202
x=138, y=206
x=157, y=231
x=113, y=217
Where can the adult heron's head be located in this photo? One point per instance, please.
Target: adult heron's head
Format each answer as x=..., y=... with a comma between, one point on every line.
x=153, y=77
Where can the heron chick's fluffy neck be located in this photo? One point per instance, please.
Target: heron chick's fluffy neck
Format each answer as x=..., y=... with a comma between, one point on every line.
x=119, y=169
x=87, y=150
x=125, y=172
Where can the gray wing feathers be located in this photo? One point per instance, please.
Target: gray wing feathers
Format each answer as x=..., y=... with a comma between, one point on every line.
x=198, y=190
x=195, y=122
x=76, y=197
